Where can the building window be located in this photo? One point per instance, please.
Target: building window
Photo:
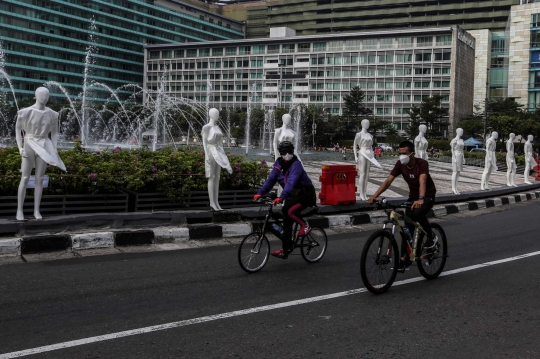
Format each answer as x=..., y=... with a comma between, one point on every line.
x=423, y=41
x=369, y=44
x=273, y=49
x=154, y=55
x=425, y=71
x=304, y=47
x=217, y=51
x=444, y=40
x=352, y=45
x=256, y=63
x=215, y=65
x=259, y=49
x=230, y=51
x=535, y=20
x=422, y=57
x=445, y=56
x=288, y=48
x=191, y=53
x=204, y=52
x=244, y=50
x=405, y=42
x=319, y=46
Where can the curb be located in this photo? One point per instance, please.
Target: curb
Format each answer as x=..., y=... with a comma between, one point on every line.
x=109, y=239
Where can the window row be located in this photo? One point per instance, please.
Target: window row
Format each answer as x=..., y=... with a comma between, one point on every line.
x=347, y=45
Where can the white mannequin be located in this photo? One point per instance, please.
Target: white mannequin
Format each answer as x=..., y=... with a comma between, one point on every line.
x=458, y=158
x=421, y=143
x=530, y=163
x=214, y=157
x=491, y=160
x=364, y=158
x=37, y=150
x=284, y=133
x=511, y=162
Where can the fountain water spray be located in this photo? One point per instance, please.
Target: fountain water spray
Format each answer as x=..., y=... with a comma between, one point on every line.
x=5, y=75
x=252, y=93
x=89, y=61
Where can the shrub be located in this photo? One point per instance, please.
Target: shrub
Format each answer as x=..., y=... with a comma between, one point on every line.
x=442, y=145
x=169, y=171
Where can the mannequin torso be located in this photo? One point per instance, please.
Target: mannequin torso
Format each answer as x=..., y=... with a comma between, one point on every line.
x=421, y=145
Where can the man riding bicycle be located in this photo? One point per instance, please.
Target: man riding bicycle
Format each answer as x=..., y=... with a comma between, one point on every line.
x=298, y=193
x=422, y=192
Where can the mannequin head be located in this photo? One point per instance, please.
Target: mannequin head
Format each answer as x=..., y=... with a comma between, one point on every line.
x=494, y=135
x=286, y=118
x=42, y=95
x=459, y=132
x=512, y=136
x=365, y=124
x=530, y=138
x=422, y=129
x=214, y=114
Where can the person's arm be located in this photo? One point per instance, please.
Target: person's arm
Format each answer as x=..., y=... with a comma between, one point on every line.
x=422, y=192
x=383, y=187
x=270, y=181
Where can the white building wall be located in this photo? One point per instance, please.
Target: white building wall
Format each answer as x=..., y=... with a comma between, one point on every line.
x=482, y=63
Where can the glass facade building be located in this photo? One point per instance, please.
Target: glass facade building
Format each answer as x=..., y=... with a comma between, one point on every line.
x=396, y=69
x=46, y=40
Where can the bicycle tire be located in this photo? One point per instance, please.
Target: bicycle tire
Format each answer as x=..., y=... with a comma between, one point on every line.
x=315, y=242
x=387, y=263
x=431, y=265
x=246, y=254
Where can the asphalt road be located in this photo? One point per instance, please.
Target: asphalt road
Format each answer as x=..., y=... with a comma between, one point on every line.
x=490, y=312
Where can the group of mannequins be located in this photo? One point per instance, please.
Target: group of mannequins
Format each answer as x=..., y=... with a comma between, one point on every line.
x=39, y=124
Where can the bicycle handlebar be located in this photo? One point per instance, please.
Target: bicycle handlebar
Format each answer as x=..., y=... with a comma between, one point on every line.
x=384, y=202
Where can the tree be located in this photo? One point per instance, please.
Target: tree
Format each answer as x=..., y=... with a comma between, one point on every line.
x=393, y=138
x=354, y=106
x=430, y=113
x=473, y=125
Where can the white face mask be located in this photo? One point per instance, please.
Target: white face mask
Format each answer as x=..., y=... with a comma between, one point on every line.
x=287, y=157
x=404, y=159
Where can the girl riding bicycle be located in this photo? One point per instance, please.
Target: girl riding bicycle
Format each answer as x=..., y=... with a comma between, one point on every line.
x=298, y=193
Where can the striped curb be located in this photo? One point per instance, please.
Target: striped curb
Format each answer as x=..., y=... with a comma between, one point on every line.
x=109, y=239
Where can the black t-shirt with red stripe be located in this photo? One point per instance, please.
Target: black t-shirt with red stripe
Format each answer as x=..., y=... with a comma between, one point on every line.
x=412, y=177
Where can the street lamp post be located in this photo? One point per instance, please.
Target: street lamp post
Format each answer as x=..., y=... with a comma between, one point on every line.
x=486, y=106
x=314, y=131
x=280, y=84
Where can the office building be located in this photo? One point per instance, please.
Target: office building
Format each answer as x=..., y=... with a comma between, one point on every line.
x=396, y=69
x=46, y=40
x=329, y=16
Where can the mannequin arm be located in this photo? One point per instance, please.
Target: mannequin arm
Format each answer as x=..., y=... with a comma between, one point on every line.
x=18, y=137
x=416, y=147
x=204, y=135
x=355, y=144
x=453, y=148
x=276, y=142
x=54, y=133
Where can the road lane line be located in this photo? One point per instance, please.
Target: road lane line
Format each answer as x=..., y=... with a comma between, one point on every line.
x=209, y=318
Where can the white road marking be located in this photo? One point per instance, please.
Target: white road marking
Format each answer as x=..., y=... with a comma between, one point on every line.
x=209, y=318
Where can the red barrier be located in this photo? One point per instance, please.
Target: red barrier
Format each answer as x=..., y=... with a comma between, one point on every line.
x=537, y=168
x=338, y=184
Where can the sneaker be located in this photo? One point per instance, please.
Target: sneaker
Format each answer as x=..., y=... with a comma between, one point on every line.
x=280, y=254
x=404, y=265
x=431, y=243
x=305, y=229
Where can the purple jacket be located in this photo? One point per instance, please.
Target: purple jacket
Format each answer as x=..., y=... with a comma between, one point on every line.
x=294, y=177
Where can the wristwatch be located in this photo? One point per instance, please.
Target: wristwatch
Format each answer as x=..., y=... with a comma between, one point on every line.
x=421, y=197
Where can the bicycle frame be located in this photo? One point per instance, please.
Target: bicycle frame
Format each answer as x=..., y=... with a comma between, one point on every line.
x=270, y=215
x=395, y=219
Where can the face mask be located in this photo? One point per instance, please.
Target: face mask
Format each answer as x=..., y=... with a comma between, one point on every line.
x=287, y=157
x=404, y=159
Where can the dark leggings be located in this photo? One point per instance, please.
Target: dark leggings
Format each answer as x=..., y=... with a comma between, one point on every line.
x=292, y=209
x=420, y=215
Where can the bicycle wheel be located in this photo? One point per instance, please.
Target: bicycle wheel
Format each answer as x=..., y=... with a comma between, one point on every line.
x=253, y=252
x=314, y=245
x=431, y=263
x=378, y=264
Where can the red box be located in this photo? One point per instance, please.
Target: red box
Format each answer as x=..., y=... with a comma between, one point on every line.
x=338, y=184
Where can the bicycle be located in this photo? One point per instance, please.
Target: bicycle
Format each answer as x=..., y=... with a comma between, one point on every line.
x=254, y=249
x=380, y=256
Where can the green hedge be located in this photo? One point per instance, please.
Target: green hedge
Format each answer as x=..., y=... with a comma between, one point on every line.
x=442, y=145
x=169, y=171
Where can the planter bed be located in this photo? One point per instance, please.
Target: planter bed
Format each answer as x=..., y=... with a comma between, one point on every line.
x=67, y=204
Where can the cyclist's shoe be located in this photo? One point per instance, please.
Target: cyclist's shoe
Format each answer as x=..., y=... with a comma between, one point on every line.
x=280, y=254
x=305, y=229
x=403, y=265
x=431, y=244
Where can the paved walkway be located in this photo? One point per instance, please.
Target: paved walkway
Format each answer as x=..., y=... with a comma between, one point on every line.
x=440, y=172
